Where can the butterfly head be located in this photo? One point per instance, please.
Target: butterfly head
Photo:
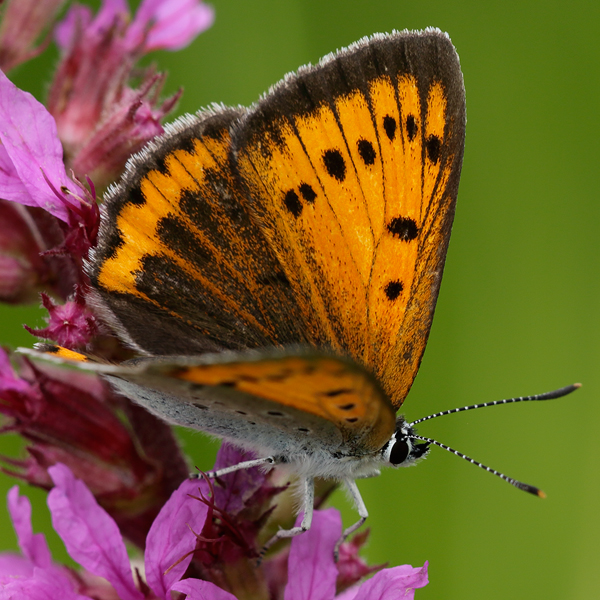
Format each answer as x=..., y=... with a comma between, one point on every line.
x=402, y=449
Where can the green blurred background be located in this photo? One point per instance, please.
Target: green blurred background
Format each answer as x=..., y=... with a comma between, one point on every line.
x=518, y=312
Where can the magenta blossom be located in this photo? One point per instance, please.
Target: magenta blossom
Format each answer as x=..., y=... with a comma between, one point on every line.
x=101, y=119
x=169, y=25
x=157, y=25
x=96, y=118
x=23, y=23
x=71, y=324
x=128, y=458
x=93, y=540
x=32, y=171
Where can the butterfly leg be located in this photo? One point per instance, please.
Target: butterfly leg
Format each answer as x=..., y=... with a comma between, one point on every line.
x=247, y=464
x=308, y=500
x=362, y=512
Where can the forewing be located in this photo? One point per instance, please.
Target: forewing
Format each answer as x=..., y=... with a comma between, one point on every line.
x=181, y=267
x=352, y=168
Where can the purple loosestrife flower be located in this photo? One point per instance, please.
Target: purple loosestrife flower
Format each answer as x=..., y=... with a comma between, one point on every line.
x=96, y=120
x=128, y=458
x=32, y=173
x=93, y=540
x=71, y=324
x=26, y=235
x=23, y=21
x=101, y=120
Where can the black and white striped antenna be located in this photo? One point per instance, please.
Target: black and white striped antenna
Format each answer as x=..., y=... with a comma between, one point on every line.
x=518, y=484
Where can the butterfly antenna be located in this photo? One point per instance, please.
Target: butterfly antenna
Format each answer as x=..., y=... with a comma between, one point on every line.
x=547, y=396
x=518, y=484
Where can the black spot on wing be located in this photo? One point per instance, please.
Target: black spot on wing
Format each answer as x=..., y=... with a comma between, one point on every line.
x=403, y=228
x=433, y=146
x=307, y=192
x=389, y=126
x=335, y=164
x=393, y=289
x=411, y=127
x=339, y=392
x=292, y=203
x=366, y=151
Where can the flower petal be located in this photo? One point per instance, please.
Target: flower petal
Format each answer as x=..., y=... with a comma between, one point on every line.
x=11, y=186
x=42, y=585
x=240, y=486
x=394, y=583
x=33, y=547
x=65, y=32
x=91, y=536
x=80, y=21
x=12, y=565
x=196, y=589
x=28, y=135
x=312, y=572
x=173, y=24
x=8, y=380
x=171, y=537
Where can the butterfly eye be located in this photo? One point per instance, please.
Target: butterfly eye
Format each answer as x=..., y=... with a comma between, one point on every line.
x=398, y=452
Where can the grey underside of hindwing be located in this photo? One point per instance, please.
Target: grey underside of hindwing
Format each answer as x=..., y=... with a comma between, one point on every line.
x=251, y=423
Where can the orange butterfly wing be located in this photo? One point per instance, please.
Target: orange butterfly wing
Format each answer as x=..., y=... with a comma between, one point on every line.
x=321, y=216
x=352, y=170
x=180, y=267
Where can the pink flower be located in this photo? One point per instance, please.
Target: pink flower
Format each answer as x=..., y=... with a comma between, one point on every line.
x=157, y=25
x=95, y=120
x=23, y=21
x=93, y=540
x=128, y=458
x=312, y=572
x=32, y=171
x=71, y=325
x=169, y=25
x=101, y=120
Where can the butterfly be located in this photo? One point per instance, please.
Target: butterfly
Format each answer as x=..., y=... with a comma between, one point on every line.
x=277, y=267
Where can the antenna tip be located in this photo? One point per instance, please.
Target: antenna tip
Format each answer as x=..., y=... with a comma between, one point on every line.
x=576, y=385
x=531, y=489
